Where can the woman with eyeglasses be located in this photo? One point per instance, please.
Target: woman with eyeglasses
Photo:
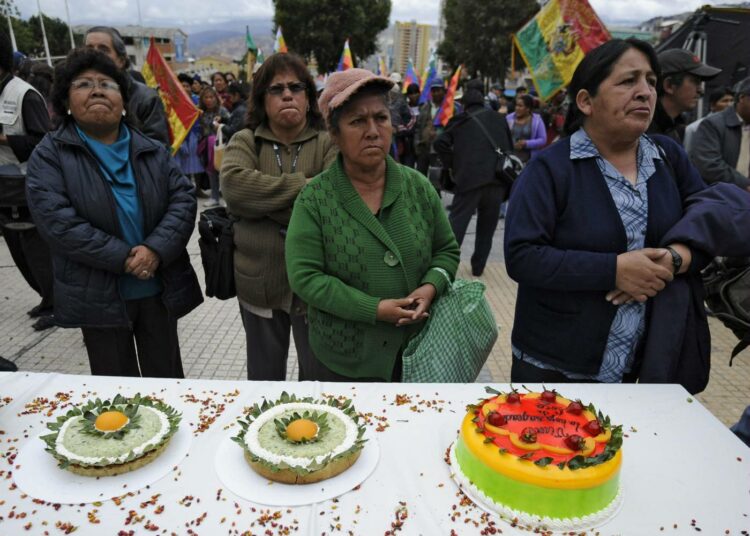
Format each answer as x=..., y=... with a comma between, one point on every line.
x=117, y=213
x=265, y=166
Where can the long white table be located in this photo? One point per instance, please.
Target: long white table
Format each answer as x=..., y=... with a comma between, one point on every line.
x=682, y=469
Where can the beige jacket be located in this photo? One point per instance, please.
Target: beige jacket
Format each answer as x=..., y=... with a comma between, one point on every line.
x=261, y=196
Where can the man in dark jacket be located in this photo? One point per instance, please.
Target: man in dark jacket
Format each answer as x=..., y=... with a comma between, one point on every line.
x=679, y=90
x=720, y=149
x=144, y=103
x=464, y=148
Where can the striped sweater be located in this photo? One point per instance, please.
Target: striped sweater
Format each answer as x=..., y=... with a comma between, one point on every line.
x=261, y=196
x=342, y=260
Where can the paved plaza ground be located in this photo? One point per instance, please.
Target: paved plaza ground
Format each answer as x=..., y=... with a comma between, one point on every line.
x=213, y=341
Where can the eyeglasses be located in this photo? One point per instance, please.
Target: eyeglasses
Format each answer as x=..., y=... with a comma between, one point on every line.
x=86, y=84
x=294, y=87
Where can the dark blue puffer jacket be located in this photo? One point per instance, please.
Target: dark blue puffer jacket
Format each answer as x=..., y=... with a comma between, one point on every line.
x=74, y=209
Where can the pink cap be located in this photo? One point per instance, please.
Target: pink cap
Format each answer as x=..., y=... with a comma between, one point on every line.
x=341, y=85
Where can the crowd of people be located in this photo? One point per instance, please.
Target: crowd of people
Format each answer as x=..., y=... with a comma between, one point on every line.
x=340, y=234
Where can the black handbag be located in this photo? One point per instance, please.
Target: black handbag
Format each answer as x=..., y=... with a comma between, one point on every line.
x=216, y=243
x=508, y=166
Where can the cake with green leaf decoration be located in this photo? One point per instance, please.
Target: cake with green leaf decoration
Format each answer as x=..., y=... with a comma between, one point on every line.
x=540, y=459
x=301, y=440
x=107, y=438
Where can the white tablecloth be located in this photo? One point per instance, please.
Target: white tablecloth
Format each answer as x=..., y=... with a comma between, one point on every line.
x=681, y=466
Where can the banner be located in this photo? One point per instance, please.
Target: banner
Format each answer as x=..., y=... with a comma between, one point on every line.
x=430, y=72
x=410, y=77
x=346, y=61
x=554, y=42
x=447, y=107
x=280, y=45
x=178, y=106
x=382, y=70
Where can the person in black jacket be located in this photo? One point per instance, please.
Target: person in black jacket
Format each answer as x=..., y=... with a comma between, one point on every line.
x=117, y=213
x=143, y=104
x=238, y=93
x=465, y=149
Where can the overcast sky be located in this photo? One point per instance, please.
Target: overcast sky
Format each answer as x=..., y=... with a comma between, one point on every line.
x=187, y=12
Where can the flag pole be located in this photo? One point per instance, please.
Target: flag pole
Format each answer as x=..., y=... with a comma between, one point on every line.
x=44, y=33
x=70, y=28
x=12, y=35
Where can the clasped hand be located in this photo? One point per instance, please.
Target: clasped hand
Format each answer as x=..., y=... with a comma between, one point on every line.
x=142, y=262
x=641, y=274
x=410, y=310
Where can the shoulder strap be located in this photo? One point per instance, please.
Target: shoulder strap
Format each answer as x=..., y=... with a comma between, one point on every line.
x=486, y=132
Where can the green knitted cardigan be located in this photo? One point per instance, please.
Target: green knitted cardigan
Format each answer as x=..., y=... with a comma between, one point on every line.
x=342, y=260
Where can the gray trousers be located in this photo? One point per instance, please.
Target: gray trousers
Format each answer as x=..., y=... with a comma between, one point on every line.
x=267, y=342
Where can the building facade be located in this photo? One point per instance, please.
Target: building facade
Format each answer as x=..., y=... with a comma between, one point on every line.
x=411, y=41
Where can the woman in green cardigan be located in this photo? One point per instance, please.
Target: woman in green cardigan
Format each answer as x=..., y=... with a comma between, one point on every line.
x=367, y=241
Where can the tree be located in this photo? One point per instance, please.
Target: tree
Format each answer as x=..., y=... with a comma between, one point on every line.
x=478, y=34
x=29, y=36
x=319, y=29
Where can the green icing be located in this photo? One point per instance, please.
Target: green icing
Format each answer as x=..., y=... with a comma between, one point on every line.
x=269, y=439
x=524, y=497
x=93, y=446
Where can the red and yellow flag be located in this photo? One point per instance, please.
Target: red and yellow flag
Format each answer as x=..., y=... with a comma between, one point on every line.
x=446, y=108
x=179, y=108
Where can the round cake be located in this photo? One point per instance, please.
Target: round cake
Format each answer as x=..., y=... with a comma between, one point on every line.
x=540, y=459
x=107, y=438
x=301, y=441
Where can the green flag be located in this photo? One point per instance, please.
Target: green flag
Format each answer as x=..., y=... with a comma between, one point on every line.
x=260, y=57
x=249, y=40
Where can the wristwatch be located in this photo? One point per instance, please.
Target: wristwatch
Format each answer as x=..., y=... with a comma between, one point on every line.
x=676, y=259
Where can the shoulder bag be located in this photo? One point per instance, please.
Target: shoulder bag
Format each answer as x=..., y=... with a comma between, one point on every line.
x=457, y=338
x=508, y=166
x=216, y=242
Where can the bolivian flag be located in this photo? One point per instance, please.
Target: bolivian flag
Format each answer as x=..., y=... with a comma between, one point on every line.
x=179, y=108
x=445, y=112
x=554, y=42
x=346, y=61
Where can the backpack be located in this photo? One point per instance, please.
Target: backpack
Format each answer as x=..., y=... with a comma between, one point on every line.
x=727, y=284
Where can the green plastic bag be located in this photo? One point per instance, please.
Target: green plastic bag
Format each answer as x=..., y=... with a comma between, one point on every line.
x=456, y=340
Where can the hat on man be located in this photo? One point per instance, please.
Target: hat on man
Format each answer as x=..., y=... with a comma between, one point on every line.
x=341, y=85
x=742, y=87
x=679, y=60
x=437, y=82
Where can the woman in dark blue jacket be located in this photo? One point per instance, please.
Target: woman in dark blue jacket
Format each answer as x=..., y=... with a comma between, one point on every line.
x=117, y=213
x=606, y=234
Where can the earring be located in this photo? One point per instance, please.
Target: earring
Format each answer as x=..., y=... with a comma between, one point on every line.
x=124, y=113
x=69, y=112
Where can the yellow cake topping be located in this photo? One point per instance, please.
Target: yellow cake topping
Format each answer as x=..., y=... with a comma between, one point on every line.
x=111, y=421
x=301, y=430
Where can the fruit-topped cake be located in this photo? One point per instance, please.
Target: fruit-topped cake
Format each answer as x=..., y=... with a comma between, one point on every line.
x=540, y=458
x=301, y=441
x=107, y=438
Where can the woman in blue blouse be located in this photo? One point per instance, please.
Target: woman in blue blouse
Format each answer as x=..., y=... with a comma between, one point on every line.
x=606, y=233
x=117, y=213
